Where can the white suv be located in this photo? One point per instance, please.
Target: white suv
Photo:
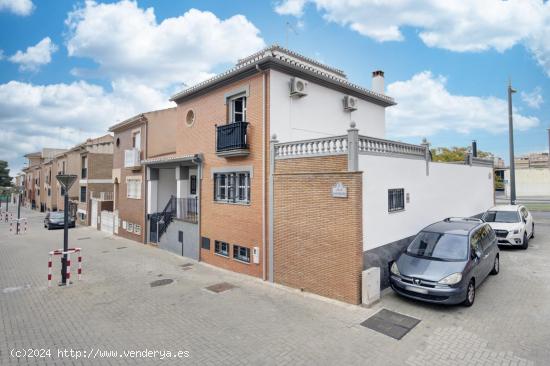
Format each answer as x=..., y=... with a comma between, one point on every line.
x=513, y=224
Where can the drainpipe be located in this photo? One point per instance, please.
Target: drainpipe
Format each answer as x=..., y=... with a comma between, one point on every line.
x=264, y=221
x=271, y=184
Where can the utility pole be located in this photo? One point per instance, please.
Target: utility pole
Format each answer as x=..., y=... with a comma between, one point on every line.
x=511, y=143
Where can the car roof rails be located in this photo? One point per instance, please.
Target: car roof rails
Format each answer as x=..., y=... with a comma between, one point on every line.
x=450, y=219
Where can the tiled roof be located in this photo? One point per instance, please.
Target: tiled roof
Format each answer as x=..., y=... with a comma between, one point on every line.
x=289, y=59
x=167, y=159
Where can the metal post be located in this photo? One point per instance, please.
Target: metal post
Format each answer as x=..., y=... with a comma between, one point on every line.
x=548, y=148
x=511, y=143
x=353, y=148
x=65, y=240
x=18, y=212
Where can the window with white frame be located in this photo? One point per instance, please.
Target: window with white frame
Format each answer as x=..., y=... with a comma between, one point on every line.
x=238, y=109
x=232, y=187
x=133, y=187
x=221, y=248
x=396, y=199
x=241, y=253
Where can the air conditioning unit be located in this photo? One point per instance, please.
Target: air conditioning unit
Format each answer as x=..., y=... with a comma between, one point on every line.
x=298, y=87
x=256, y=255
x=350, y=103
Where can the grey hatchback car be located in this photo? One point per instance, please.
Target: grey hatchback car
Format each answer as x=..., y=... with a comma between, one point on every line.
x=446, y=262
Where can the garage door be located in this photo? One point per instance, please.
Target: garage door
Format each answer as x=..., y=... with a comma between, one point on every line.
x=107, y=221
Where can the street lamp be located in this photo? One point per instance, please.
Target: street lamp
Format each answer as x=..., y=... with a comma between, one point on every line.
x=66, y=181
x=511, y=142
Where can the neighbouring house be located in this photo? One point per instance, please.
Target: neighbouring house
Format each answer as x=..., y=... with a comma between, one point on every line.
x=279, y=168
x=36, y=186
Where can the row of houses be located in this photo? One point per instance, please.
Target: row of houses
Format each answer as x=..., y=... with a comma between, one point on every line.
x=277, y=168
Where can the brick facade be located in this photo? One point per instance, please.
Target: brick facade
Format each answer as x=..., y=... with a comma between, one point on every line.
x=317, y=237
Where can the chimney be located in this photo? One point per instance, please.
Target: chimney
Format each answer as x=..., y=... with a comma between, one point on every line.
x=378, y=81
x=474, y=148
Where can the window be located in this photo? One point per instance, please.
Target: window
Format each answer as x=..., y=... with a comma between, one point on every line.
x=83, y=194
x=136, y=140
x=396, y=201
x=133, y=187
x=232, y=187
x=241, y=253
x=190, y=118
x=238, y=109
x=221, y=248
x=193, y=184
x=205, y=243
x=84, y=167
x=49, y=192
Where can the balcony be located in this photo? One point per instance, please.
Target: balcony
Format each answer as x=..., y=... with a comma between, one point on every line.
x=132, y=158
x=102, y=196
x=231, y=139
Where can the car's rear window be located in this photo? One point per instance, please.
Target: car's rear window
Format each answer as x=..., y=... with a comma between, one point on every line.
x=501, y=216
x=448, y=247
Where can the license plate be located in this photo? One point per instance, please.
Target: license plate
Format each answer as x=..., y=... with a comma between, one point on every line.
x=416, y=289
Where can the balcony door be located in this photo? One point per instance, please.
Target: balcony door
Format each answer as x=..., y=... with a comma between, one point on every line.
x=136, y=140
x=237, y=111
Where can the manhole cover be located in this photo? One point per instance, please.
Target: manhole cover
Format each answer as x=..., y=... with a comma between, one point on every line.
x=390, y=323
x=84, y=238
x=164, y=281
x=122, y=247
x=220, y=287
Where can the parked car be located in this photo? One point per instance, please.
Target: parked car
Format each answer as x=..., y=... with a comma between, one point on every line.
x=56, y=219
x=513, y=224
x=446, y=262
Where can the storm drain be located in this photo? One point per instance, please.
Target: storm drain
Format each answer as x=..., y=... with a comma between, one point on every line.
x=164, y=281
x=220, y=287
x=186, y=266
x=84, y=238
x=105, y=251
x=122, y=247
x=390, y=323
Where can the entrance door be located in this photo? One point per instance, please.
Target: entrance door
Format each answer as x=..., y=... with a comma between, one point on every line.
x=107, y=221
x=93, y=218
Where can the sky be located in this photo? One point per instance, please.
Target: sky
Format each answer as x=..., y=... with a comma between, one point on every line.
x=69, y=70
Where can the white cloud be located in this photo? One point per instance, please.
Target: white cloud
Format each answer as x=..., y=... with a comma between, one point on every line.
x=533, y=99
x=128, y=43
x=461, y=26
x=35, y=56
x=61, y=115
x=290, y=7
x=425, y=107
x=18, y=7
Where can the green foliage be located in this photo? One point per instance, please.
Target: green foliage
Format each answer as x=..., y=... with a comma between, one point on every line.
x=454, y=154
x=5, y=179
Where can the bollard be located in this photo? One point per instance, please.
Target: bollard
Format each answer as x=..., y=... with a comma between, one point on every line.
x=68, y=270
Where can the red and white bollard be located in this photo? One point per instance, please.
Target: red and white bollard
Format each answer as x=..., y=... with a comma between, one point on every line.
x=68, y=272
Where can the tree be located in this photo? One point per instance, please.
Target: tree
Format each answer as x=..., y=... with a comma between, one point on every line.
x=5, y=179
x=455, y=154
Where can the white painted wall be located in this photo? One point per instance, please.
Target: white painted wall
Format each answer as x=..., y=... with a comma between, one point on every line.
x=448, y=190
x=529, y=182
x=319, y=114
x=167, y=186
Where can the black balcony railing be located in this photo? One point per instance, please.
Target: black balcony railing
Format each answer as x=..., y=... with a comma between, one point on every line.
x=231, y=136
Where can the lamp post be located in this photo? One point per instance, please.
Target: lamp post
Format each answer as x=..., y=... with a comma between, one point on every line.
x=511, y=143
x=66, y=181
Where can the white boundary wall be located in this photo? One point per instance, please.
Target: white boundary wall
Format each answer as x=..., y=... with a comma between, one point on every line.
x=448, y=190
x=319, y=114
x=529, y=182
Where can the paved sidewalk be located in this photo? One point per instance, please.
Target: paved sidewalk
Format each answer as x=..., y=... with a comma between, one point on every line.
x=115, y=308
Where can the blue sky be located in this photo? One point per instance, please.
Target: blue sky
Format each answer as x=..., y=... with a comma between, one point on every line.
x=93, y=64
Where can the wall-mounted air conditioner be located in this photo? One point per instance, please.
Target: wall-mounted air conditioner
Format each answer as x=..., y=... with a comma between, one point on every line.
x=350, y=103
x=298, y=87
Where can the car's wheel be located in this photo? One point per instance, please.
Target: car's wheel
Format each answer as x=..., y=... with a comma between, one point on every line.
x=496, y=266
x=470, y=294
x=533, y=231
x=525, y=243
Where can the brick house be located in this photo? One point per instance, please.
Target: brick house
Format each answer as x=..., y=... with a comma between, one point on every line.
x=37, y=175
x=278, y=168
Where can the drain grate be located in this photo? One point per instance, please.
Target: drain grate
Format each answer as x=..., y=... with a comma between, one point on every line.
x=105, y=251
x=220, y=287
x=122, y=247
x=84, y=238
x=163, y=282
x=186, y=265
x=390, y=323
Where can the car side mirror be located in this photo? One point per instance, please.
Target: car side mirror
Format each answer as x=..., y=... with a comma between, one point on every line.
x=478, y=254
